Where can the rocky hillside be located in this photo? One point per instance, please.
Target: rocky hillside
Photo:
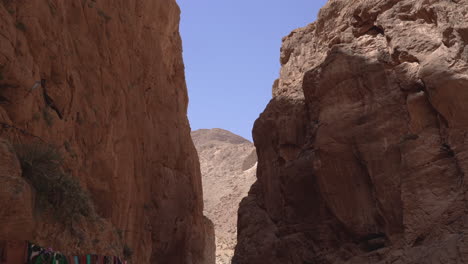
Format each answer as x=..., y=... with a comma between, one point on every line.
x=228, y=164
x=363, y=150
x=103, y=83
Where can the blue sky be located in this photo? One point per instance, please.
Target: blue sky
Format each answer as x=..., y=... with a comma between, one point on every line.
x=231, y=55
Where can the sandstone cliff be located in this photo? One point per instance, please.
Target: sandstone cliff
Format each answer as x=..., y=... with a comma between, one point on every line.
x=228, y=165
x=363, y=150
x=113, y=101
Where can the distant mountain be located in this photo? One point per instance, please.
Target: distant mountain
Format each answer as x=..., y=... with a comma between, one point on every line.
x=203, y=136
x=228, y=165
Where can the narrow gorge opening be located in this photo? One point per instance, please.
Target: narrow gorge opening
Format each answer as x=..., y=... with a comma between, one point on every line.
x=228, y=166
x=231, y=55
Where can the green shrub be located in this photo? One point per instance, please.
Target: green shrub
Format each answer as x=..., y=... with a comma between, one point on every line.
x=49, y=119
x=409, y=137
x=120, y=233
x=92, y=3
x=104, y=15
x=52, y=9
x=67, y=146
x=41, y=165
x=36, y=117
x=21, y=26
x=127, y=252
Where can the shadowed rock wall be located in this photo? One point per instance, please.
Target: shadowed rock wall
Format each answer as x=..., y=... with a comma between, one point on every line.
x=363, y=149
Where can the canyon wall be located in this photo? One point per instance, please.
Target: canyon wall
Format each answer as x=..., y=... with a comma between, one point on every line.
x=103, y=82
x=228, y=164
x=363, y=150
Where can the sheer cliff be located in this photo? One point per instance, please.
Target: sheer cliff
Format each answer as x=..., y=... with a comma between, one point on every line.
x=101, y=82
x=363, y=150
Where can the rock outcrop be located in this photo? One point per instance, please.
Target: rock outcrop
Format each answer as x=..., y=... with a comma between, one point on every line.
x=103, y=81
x=363, y=150
x=228, y=164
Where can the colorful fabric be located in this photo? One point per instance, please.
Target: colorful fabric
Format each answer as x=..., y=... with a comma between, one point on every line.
x=27, y=253
x=44, y=258
x=61, y=259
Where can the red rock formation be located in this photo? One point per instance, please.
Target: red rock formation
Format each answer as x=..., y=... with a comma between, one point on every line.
x=114, y=101
x=363, y=149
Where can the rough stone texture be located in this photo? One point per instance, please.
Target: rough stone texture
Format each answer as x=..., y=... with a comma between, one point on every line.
x=228, y=163
x=115, y=103
x=363, y=150
x=16, y=212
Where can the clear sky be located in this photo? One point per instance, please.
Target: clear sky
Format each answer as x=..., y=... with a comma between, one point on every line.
x=231, y=54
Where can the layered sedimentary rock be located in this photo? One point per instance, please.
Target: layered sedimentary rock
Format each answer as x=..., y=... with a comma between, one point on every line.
x=228, y=166
x=103, y=81
x=363, y=150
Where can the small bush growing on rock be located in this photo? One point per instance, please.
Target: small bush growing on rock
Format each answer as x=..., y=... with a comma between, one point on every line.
x=128, y=252
x=41, y=165
x=409, y=137
x=36, y=117
x=104, y=15
x=120, y=233
x=49, y=119
x=21, y=26
x=53, y=9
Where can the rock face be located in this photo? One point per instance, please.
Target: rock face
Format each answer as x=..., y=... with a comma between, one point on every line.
x=228, y=163
x=363, y=150
x=113, y=99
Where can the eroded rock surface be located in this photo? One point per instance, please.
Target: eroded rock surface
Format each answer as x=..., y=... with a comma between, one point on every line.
x=228, y=164
x=363, y=150
x=113, y=100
